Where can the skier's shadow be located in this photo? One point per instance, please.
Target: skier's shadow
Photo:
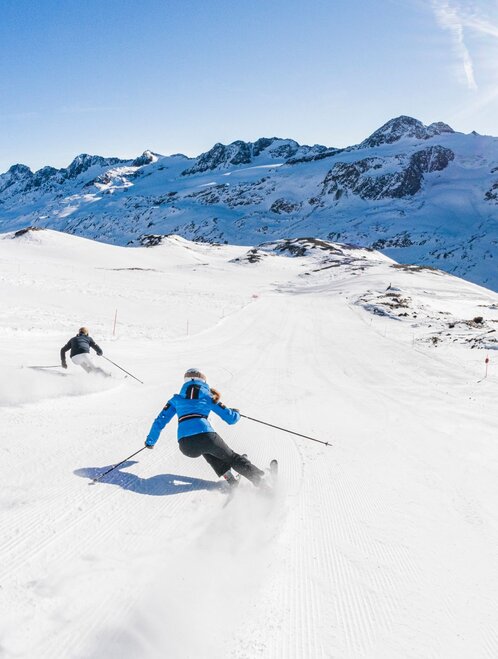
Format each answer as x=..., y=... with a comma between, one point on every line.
x=157, y=486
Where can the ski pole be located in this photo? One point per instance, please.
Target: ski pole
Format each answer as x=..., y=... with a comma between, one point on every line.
x=120, y=367
x=116, y=466
x=285, y=430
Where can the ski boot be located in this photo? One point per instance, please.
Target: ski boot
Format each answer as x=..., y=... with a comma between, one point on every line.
x=231, y=479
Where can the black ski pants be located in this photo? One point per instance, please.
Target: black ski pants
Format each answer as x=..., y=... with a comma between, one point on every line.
x=219, y=455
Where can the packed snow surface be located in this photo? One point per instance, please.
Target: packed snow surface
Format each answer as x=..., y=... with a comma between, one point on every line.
x=381, y=545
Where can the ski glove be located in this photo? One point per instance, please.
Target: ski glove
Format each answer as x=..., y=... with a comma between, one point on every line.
x=149, y=445
x=100, y=353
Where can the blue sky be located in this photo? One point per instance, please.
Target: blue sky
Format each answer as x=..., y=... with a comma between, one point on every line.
x=120, y=76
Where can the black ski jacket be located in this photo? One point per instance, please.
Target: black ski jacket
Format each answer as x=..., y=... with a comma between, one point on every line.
x=79, y=344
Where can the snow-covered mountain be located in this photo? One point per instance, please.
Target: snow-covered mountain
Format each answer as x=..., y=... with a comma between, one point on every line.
x=421, y=194
x=382, y=545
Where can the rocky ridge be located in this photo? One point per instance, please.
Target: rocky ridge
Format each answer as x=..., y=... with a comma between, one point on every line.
x=422, y=194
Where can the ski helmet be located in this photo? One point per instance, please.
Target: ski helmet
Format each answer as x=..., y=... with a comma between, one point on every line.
x=83, y=330
x=194, y=374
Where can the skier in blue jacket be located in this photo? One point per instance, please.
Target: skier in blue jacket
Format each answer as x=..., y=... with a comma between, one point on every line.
x=196, y=436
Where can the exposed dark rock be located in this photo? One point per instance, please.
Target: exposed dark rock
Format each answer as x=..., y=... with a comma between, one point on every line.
x=285, y=150
x=252, y=256
x=211, y=195
x=319, y=153
x=222, y=156
x=492, y=193
x=283, y=206
x=236, y=153
x=18, y=177
x=395, y=301
x=357, y=178
x=42, y=176
x=83, y=162
x=276, y=147
x=301, y=246
x=439, y=127
x=409, y=267
x=19, y=171
x=26, y=230
x=404, y=127
x=145, y=159
x=151, y=240
x=346, y=176
x=400, y=240
x=433, y=159
x=262, y=144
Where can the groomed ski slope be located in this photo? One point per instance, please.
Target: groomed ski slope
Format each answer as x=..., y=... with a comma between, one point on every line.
x=381, y=546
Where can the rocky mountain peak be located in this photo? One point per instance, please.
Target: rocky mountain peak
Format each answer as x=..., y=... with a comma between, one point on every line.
x=263, y=143
x=17, y=177
x=84, y=161
x=19, y=171
x=404, y=127
x=146, y=158
x=439, y=127
x=222, y=156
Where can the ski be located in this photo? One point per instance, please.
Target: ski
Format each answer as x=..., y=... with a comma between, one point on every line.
x=44, y=369
x=40, y=368
x=269, y=483
x=231, y=489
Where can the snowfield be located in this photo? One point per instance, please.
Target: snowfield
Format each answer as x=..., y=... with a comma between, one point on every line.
x=380, y=546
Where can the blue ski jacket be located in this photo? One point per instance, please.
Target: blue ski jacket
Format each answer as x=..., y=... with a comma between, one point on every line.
x=192, y=405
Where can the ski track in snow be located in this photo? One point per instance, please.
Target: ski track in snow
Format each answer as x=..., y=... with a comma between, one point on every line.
x=381, y=545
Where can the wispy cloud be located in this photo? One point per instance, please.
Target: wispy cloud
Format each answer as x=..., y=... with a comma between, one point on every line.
x=479, y=24
x=468, y=24
x=450, y=18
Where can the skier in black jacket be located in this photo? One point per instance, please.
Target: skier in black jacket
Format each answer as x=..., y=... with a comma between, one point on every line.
x=80, y=346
